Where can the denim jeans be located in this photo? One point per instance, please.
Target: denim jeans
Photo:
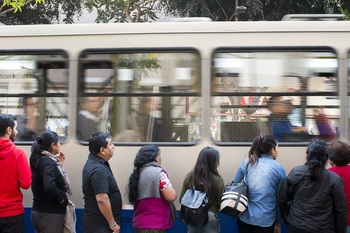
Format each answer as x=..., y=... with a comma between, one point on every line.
x=213, y=225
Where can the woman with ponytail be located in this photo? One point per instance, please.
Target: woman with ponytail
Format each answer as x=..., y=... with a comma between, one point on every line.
x=263, y=176
x=50, y=184
x=312, y=198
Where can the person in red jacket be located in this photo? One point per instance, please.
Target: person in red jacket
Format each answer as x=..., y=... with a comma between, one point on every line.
x=14, y=175
x=339, y=158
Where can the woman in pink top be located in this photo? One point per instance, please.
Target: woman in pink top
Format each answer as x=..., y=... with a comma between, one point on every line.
x=151, y=193
x=339, y=156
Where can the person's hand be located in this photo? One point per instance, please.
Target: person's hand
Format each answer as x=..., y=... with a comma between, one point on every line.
x=277, y=228
x=115, y=228
x=299, y=129
x=62, y=158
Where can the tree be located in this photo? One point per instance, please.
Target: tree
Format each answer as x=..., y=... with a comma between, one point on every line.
x=40, y=11
x=223, y=10
x=124, y=10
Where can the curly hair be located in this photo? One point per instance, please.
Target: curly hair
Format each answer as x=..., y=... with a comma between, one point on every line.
x=146, y=154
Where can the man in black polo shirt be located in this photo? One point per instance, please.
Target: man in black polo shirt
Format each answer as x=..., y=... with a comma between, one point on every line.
x=103, y=203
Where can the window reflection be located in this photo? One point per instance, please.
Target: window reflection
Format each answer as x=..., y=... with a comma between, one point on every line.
x=148, y=96
x=292, y=95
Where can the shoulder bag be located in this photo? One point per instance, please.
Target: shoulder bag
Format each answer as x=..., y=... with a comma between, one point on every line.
x=234, y=199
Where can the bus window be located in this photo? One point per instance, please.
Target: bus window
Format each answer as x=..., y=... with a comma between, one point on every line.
x=289, y=94
x=34, y=88
x=140, y=96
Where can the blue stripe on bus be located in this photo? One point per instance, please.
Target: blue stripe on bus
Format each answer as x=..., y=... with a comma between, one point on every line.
x=228, y=224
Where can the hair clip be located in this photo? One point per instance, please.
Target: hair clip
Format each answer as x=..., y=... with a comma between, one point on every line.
x=261, y=136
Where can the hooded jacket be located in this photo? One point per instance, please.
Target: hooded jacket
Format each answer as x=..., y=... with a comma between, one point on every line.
x=14, y=174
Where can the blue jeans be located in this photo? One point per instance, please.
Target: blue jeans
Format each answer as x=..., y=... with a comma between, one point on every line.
x=213, y=225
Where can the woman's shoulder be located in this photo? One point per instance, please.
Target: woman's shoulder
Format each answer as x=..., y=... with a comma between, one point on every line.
x=46, y=160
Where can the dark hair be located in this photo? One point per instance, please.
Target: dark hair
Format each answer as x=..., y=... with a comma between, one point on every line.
x=317, y=157
x=146, y=154
x=43, y=142
x=204, y=173
x=260, y=145
x=98, y=140
x=339, y=152
x=6, y=120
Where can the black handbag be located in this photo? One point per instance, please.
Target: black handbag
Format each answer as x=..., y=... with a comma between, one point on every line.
x=194, y=208
x=234, y=199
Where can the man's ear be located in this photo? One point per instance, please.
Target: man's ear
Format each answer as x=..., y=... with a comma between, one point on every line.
x=102, y=150
x=9, y=131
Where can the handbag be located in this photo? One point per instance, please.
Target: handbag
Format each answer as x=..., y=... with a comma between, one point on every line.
x=234, y=199
x=194, y=208
x=70, y=218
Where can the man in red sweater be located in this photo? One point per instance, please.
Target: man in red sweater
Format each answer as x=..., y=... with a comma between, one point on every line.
x=14, y=174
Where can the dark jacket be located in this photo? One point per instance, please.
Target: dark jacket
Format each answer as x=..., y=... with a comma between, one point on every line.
x=314, y=205
x=48, y=188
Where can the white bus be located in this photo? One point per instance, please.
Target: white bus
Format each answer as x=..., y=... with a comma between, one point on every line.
x=181, y=85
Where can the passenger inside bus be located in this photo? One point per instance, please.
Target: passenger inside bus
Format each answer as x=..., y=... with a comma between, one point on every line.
x=27, y=123
x=281, y=126
x=88, y=117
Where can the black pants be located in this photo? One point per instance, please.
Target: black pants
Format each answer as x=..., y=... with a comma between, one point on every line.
x=13, y=224
x=247, y=228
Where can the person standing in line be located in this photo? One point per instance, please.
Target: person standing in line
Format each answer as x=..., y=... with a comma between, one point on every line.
x=103, y=202
x=205, y=176
x=151, y=193
x=312, y=198
x=14, y=175
x=263, y=177
x=339, y=157
x=50, y=184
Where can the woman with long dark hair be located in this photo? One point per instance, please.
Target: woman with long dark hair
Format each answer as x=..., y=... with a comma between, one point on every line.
x=263, y=176
x=50, y=184
x=151, y=192
x=312, y=198
x=205, y=177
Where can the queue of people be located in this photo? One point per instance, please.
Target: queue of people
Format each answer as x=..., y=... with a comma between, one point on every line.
x=310, y=193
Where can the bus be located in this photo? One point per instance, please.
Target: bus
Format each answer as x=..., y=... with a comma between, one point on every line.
x=180, y=85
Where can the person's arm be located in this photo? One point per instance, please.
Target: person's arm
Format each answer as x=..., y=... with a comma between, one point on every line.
x=104, y=205
x=184, y=187
x=220, y=187
x=166, y=188
x=240, y=173
x=23, y=171
x=339, y=206
x=284, y=198
x=49, y=169
x=169, y=194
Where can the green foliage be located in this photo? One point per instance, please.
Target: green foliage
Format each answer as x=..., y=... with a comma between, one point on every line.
x=39, y=11
x=17, y=5
x=139, y=61
x=121, y=11
x=271, y=10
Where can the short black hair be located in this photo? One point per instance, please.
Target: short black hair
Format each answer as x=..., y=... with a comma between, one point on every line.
x=98, y=140
x=6, y=120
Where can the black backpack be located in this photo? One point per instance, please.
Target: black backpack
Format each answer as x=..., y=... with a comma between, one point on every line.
x=194, y=208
